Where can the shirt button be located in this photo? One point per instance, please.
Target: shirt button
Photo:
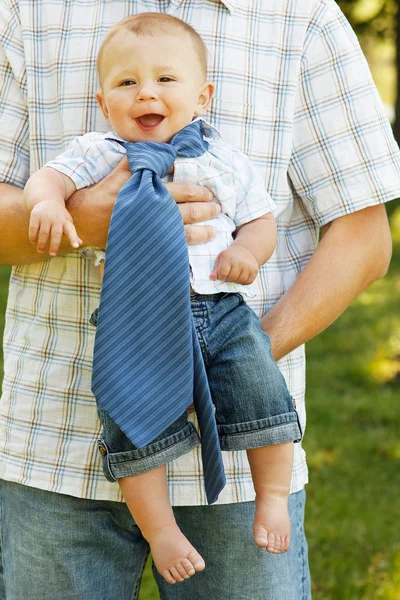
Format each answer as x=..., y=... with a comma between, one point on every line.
x=102, y=450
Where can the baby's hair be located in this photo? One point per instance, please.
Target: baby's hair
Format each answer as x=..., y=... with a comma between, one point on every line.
x=151, y=23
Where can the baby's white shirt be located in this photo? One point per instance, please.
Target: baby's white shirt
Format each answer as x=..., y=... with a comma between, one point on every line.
x=228, y=173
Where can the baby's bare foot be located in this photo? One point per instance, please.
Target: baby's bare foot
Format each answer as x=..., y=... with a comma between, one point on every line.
x=174, y=556
x=272, y=523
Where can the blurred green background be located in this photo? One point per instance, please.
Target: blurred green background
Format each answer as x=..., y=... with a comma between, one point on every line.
x=353, y=399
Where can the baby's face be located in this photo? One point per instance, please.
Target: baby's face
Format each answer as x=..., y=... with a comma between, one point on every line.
x=152, y=86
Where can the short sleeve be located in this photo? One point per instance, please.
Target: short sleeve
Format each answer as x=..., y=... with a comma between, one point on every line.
x=14, y=119
x=252, y=199
x=88, y=159
x=344, y=155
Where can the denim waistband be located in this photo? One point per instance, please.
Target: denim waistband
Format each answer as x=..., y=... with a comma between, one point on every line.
x=195, y=297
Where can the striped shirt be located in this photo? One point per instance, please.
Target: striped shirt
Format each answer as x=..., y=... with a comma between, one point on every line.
x=228, y=173
x=294, y=93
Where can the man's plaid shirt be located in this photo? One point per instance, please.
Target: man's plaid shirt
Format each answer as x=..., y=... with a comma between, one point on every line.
x=293, y=92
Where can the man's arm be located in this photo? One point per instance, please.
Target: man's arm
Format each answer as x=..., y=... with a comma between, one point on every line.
x=91, y=210
x=15, y=247
x=354, y=251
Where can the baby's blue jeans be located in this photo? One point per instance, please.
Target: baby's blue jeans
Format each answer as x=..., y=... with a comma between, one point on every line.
x=252, y=403
x=58, y=547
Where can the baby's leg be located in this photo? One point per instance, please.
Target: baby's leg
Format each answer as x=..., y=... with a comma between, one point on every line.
x=255, y=411
x=147, y=498
x=271, y=469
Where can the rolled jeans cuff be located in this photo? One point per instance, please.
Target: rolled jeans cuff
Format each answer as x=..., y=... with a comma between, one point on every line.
x=270, y=431
x=140, y=460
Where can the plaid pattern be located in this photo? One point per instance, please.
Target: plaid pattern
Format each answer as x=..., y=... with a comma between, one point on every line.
x=293, y=92
x=227, y=172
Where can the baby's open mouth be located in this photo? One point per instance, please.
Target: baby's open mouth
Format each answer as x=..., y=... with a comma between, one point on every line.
x=151, y=120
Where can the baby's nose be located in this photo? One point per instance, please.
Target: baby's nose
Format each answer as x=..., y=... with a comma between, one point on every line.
x=147, y=93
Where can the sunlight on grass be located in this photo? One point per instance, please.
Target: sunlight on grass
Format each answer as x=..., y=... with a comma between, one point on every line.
x=367, y=9
x=395, y=225
x=321, y=458
x=384, y=365
x=384, y=369
x=383, y=578
x=391, y=451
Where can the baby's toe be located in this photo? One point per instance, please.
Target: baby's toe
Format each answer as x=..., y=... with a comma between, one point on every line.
x=188, y=567
x=279, y=543
x=271, y=542
x=196, y=559
x=180, y=567
x=168, y=577
x=261, y=537
x=175, y=574
x=277, y=548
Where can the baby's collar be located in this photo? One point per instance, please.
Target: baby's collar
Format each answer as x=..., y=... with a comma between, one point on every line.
x=209, y=131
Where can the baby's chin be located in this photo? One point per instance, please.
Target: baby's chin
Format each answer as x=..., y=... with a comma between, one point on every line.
x=147, y=136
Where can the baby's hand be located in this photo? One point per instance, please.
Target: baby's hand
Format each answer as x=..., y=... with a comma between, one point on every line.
x=235, y=264
x=49, y=219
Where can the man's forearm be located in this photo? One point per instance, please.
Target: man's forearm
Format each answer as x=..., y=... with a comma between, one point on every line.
x=15, y=247
x=354, y=251
x=91, y=210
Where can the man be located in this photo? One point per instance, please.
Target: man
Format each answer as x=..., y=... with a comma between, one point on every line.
x=295, y=94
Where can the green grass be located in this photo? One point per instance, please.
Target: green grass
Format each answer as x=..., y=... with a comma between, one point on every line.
x=353, y=446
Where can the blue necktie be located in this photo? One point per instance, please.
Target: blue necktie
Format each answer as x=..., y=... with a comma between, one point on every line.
x=147, y=364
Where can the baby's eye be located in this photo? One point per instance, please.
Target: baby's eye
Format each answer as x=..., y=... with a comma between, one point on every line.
x=165, y=79
x=127, y=83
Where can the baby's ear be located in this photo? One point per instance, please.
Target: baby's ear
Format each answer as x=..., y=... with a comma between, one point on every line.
x=205, y=96
x=102, y=103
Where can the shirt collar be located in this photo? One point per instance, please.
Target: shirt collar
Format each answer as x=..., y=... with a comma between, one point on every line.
x=209, y=131
x=230, y=5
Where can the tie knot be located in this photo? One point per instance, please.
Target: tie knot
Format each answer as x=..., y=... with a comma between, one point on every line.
x=154, y=156
x=159, y=157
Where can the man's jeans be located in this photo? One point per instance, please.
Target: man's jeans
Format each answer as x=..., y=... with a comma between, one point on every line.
x=58, y=547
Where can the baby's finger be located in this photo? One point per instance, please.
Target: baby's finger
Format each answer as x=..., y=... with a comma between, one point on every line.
x=70, y=232
x=249, y=277
x=33, y=229
x=44, y=233
x=214, y=272
x=224, y=270
x=234, y=273
x=55, y=239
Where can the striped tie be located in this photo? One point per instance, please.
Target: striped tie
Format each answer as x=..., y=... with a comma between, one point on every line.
x=147, y=364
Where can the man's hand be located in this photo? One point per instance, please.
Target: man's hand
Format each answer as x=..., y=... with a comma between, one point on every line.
x=196, y=204
x=51, y=220
x=91, y=208
x=235, y=264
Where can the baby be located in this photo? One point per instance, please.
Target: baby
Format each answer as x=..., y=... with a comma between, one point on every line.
x=152, y=70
